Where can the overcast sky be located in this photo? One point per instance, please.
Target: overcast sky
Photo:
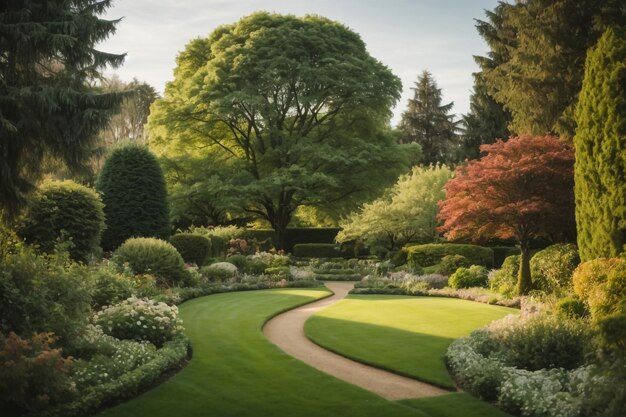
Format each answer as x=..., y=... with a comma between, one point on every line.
x=408, y=36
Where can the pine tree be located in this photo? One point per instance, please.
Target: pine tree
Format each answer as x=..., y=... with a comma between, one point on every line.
x=427, y=122
x=600, y=141
x=135, y=199
x=47, y=108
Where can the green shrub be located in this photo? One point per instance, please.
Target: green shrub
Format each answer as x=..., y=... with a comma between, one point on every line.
x=109, y=287
x=64, y=210
x=218, y=246
x=33, y=375
x=474, y=276
x=276, y=273
x=193, y=248
x=571, y=308
x=432, y=253
x=500, y=253
x=601, y=284
x=299, y=235
x=450, y=263
x=552, y=268
x=215, y=273
x=316, y=250
x=504, y=280
x=140, y=319
x=43, y=293
x=255, y=266
x=133, y=192
x=613, y=330
x=239, y=261
x=145, y=255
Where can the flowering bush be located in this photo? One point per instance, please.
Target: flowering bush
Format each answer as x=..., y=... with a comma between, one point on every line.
x=140, y=319
x=33, y=375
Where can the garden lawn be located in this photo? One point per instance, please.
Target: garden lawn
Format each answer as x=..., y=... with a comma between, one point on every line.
x=235, y=371
x=406, y=335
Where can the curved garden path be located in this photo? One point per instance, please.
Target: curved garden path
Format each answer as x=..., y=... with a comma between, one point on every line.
x=287, y=332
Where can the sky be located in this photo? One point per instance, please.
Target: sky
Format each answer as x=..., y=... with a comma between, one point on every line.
x=408, y=36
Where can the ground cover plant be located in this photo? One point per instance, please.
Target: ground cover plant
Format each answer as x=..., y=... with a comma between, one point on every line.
x=408, y=335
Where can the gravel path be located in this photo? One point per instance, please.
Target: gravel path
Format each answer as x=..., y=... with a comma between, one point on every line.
x=287, y=332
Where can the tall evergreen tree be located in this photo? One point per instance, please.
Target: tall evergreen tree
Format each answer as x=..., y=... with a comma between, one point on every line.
x=428, y=123
x=47, y=108
x=600, y=174
x=538, y=53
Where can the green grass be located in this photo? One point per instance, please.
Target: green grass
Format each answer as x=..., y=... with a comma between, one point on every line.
x=407, y=335
x=235, y=371
x=455, y=405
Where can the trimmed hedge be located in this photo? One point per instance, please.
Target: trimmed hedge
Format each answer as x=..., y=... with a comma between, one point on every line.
x=316, y=250
x=298, y=235
x=432, y=254
x=64, y=210
x=193, y=248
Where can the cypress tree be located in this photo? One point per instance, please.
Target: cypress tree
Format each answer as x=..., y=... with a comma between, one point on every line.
x=133, y=192
x=48, y=110
x=600, y=141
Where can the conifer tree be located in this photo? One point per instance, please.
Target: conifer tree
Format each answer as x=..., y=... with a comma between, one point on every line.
x=427, y=122
x=600, y=140
x=47, y=108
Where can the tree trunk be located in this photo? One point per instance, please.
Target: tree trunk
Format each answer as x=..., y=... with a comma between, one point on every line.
x=524, y=281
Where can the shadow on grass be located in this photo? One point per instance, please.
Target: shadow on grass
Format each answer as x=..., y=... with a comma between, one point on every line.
x=415, y=355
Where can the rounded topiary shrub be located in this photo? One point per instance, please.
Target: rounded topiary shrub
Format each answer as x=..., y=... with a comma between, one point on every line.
x=504, y=280
x=193, y=248
x=64, y=210
x=474, y=276
x=133, y=191
x=552, y=268
x=450, y=263
x=154, y=257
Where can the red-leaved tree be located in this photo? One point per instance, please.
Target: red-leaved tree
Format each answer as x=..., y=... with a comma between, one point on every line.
x=521, y=189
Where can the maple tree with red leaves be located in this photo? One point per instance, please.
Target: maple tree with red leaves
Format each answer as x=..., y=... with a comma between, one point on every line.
x=522, y=189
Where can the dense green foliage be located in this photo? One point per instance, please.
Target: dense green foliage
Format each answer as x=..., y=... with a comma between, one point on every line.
x=601, y=284
x=600, y=173
x=428, y=123
x=62, y=211
x=537, y=54
x=474, y=276
x=431, y=254
x=153, y=257
x=407, y=212
x=192, y=247
x=133, y=191
x=49, y=110
x=552, y=268
x=500, y=253
x=292, y=110
x=316, y=250
x=504, y=280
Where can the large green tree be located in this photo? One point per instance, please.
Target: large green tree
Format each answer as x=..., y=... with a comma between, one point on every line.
x=294, y=107
x=600, y=141
x=428, y=123
x=538, y=53
x=47, y=108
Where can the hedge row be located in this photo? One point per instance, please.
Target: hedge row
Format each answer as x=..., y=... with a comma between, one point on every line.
x=316, y=250
x=432, y=253
x=294, y=236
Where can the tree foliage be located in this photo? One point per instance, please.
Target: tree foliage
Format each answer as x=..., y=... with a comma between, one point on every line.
x=47, y=108
x=133, y=192
x=406, y=213
x=521, y=189
x=294, y=108
x=601, y=150
x=538, y=50
x=428, y=123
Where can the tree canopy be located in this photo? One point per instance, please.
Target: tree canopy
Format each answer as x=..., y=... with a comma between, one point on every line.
x=521, y=189
x=600, y=140
x=428, y=123
x=294, y=108
x=406, y=213
x=48, y=109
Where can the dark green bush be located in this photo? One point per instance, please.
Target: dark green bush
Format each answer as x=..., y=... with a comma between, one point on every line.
x=504, y=280
x=64, y=210
x=216, y=274
x=135, y=200
x=109, y=287
x=613, y=330
x=571, y=308
x=193, y=248
x=218, y=246
x=298, y=235
x=239, y=261
x=255, y=267
x=500, y=253
x=552, y=268
x=316, y=250
x=432, y=253
x=154, y=257
x=450, y=263
x=474, y=276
